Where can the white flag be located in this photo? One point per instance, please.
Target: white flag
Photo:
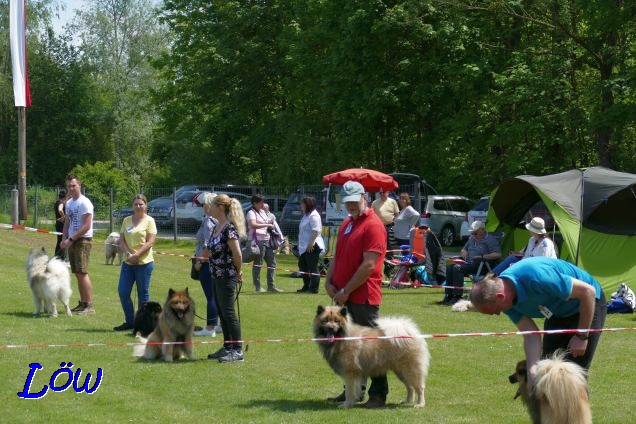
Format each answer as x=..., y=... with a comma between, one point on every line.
x=17, y=31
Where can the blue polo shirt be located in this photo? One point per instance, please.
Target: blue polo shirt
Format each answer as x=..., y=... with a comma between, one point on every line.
x=544, y=283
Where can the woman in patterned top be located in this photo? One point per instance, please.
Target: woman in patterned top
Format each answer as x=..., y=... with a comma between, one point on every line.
x=224, y=253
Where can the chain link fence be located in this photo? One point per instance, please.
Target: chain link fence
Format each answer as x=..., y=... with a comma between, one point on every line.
x=176, y=216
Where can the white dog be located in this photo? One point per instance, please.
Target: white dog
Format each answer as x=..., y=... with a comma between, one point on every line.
x=111, y=248
x=50, y=280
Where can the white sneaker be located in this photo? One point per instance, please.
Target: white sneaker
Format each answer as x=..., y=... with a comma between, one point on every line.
x=205, y=332
x=218, y=328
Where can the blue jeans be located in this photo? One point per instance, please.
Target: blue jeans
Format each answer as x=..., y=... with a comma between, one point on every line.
x=225, y=295
x=206, y=284
x=503, y=265
x=127, y=277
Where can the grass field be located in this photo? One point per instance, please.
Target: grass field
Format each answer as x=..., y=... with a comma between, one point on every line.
x=282, y=381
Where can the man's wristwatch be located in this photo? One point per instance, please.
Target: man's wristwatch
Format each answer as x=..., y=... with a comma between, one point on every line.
x=582, y=336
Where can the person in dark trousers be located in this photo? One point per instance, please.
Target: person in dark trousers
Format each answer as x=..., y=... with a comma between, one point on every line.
x=310, y=244
x=564, y=295
x=355, y=273
x=60, y=216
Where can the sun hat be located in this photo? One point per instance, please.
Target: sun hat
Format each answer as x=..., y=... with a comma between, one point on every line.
x=352, y=191
x=537, y=225
x=476, y=225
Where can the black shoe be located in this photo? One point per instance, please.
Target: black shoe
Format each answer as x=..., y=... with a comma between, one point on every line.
x=219, y=353
x=374, y=402
x=342, y=397
x=303, y=290
x=125, y=326
x=232, y=356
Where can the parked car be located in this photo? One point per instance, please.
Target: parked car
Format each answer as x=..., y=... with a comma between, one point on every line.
x=478, y=212
x=122, y=213
x=446, y=214
x=276, y=205
x=187, y=211
x=292, y=213
x=417, y=188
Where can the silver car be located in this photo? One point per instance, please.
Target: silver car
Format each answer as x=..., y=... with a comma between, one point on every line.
x=446, y=214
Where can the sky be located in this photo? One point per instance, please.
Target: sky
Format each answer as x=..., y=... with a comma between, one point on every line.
x=66, y=15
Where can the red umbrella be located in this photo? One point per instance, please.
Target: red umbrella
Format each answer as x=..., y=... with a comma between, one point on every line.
x=371, y=180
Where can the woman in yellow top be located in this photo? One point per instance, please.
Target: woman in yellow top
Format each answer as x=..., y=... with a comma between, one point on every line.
x=137, y=235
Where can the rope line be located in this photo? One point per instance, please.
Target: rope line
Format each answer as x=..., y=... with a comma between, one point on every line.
x=325, y=339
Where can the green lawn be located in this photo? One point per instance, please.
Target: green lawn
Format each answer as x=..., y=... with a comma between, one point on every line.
x=283, y=381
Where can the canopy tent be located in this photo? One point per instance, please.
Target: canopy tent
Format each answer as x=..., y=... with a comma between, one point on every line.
x=594, y=210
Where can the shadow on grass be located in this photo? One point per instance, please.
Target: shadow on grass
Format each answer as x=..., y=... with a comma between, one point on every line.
x=293, y=406
x=22, y=314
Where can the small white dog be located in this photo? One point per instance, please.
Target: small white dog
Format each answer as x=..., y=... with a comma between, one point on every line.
x=50, y=280
x=111, y=248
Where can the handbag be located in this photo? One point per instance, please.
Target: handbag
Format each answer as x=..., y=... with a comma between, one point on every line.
x=250, y=249
x=194, y=273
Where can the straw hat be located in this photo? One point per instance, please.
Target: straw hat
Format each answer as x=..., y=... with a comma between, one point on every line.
x=537, y=226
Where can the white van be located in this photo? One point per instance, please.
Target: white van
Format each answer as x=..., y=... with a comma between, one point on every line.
x=417, y=187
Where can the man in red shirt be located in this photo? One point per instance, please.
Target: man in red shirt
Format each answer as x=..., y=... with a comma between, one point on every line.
x=354, y=278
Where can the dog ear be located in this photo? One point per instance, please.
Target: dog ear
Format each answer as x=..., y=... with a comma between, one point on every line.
x=343, y=311
x=320, y=310
x=170, y=293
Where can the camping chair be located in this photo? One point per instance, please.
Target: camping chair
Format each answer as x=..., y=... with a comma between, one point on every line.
x=411, y=256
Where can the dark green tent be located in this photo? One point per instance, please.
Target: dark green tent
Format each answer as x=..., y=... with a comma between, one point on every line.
x=594, y=210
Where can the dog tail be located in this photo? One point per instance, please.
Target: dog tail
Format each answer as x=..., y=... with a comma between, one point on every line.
x=563, y=385
x=140, y=347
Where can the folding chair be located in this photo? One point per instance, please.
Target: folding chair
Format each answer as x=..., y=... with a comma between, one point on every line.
x=411, y=256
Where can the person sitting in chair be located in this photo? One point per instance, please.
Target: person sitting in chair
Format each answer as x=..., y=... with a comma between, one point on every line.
x=480, y=247
x=538, y=245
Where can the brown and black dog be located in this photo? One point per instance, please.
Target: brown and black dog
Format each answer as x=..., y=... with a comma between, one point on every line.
x=172, y=337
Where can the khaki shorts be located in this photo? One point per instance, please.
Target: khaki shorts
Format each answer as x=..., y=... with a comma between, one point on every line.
x=78, y=255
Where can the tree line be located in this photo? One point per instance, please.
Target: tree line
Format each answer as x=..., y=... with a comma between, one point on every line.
x=465, y=93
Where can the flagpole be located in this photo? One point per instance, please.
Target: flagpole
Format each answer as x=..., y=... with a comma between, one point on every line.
x=22, y=203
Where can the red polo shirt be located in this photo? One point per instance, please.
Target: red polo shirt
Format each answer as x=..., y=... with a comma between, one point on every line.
x=365, y=234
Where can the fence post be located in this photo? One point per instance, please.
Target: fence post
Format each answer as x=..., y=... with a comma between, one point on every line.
x=35, y=208
x=14, y=206
x=110, y=214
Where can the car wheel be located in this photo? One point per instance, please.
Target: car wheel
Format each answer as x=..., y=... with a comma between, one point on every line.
x=448, y=236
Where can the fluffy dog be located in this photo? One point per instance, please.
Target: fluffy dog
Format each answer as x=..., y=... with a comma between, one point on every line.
x=146, y=318
x=462, y=305
x=403, y=351
x=560, y=393
x=111, y=248
x=172, y=337
x=50, y=280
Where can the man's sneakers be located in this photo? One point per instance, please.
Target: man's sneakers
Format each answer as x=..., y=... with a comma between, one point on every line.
x=83, y=308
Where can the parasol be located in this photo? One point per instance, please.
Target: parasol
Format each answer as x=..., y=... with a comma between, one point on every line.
x=370, y=179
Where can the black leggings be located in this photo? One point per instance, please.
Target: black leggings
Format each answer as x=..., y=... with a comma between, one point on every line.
x=552, y=342
x=225, y=295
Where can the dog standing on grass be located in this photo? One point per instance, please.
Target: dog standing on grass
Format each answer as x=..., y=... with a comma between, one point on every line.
x=560, y=394
x=50, y=281
x=111, y=248
x=370, y=354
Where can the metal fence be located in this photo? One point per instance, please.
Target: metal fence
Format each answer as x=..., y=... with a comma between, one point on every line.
x=180, y=222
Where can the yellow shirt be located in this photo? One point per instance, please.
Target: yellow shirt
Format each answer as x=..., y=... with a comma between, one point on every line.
x=136, y=236
x=386, y=210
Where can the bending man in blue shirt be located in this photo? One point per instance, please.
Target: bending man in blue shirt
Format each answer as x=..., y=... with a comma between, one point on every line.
x=566, y=296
